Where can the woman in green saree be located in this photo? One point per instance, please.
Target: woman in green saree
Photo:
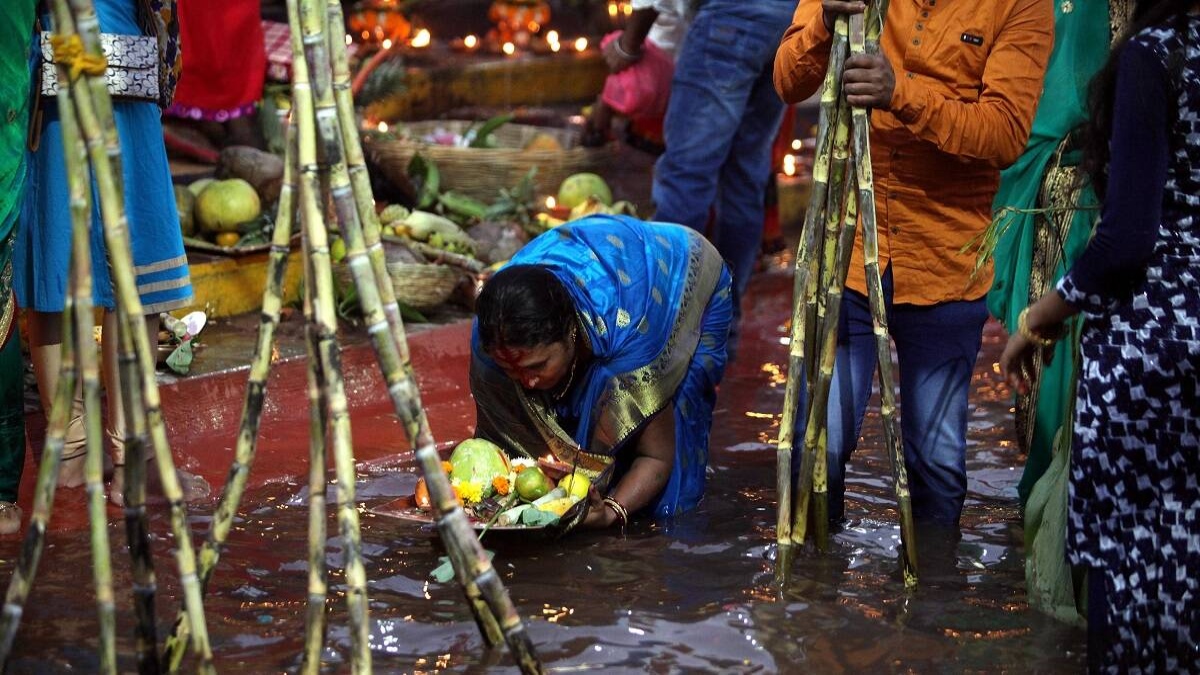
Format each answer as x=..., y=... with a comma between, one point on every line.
x=16, y=25
x=601, y=343
x=1045, y=219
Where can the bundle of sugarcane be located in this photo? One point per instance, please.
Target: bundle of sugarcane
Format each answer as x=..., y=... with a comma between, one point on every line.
x=325, y=158
x=90, y=142
x=842, y=196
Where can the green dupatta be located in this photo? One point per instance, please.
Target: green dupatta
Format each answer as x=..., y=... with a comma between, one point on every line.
x=1031, y=224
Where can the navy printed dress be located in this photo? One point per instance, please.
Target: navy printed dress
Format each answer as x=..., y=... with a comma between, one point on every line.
x=1135, y=497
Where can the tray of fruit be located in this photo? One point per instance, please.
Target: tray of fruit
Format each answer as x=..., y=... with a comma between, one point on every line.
x=498, y=493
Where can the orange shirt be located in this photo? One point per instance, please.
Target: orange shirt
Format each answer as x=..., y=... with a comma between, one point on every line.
x=968, y=78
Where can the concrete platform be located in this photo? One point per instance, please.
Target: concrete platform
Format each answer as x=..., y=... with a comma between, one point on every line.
x=202, y=411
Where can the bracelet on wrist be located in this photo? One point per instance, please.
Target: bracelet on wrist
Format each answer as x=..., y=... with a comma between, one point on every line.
x=636, y=56
x=619, y=509
x=1027, y=333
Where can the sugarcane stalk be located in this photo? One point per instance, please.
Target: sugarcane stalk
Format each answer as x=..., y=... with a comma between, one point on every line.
x=75, y=156
x=807, y=267
x=360, y=179
x=318, y=405
x=883, y=350
x=308, y=36
x=43, y=496
x=816, y=437
x=94, y=112
x=358, y=257
x=246, y=446
x=102, y=146
x=364, y=256
x=815, y=298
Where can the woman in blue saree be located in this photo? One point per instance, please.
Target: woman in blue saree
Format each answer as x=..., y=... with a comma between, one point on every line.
x=601, y=343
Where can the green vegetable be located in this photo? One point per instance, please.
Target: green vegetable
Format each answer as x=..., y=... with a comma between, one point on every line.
x=468, y=207
x=425, y=178
x=483, y=137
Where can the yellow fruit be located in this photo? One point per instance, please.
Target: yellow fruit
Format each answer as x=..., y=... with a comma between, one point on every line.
x=545, y=142
x=228, y=239
x=337, y=250
x=389, y=230
x=576, y=485
x=197, y=186
x=558, y=506
x=226, y=204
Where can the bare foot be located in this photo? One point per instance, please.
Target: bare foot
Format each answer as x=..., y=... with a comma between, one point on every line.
x=10, y=518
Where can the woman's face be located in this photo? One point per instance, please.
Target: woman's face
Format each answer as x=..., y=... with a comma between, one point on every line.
x=542, y=367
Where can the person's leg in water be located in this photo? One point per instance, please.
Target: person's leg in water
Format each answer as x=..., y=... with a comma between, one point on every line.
x=45, y=351
x=116, y=428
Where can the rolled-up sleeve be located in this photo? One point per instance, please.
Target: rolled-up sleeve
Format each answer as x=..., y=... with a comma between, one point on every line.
x=803, y=54
x=996, y=127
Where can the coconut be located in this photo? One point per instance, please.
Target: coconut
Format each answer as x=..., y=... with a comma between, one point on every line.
x=226, y=204
x=578, y=187
x=479, y=461
x=184, y=203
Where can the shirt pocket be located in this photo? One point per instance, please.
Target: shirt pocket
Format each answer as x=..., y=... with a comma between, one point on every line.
x=969, y=48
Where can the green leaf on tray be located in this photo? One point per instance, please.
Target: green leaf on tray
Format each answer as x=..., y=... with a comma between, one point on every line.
x=444, y=572
x=537, y=518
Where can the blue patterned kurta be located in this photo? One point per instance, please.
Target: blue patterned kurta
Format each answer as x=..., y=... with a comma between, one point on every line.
x=1135, y=478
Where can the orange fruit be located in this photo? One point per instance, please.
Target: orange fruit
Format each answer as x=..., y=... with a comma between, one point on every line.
x=228, y=239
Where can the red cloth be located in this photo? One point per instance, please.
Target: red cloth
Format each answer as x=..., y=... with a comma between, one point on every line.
x=224, y=60
x=641, y=90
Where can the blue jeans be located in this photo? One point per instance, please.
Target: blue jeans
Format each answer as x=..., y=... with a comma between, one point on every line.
x=936, y=348
x=720, y=123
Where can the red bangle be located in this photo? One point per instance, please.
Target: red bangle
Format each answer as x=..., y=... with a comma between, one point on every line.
x=617, y=508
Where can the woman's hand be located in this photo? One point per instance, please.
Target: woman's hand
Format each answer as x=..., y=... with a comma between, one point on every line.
x=599, y=516
x=1039, y=326
x=1017, y=362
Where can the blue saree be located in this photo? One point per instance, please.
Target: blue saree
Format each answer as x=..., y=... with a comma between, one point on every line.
x=655, y=302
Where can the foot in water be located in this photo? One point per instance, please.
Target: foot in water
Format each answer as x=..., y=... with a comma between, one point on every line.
x=10, y=518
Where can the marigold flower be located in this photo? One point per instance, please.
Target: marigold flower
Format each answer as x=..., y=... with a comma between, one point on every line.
x=471, y=492
x=501, y=484
x=447, y=467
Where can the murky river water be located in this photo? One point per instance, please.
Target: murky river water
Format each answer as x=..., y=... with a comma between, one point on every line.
x=701, y=594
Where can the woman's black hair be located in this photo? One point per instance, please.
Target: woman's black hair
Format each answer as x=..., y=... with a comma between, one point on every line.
x=523, y=306
x=1102, y=89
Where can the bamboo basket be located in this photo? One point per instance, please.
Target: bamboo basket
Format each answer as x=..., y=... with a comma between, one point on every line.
x=482, y=172
x=417, y=285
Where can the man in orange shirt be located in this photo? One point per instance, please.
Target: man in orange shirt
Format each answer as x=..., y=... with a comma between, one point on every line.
x=953, y=95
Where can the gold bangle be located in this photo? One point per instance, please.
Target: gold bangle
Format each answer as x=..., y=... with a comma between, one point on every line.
x=619, y=509
x=1025, y=332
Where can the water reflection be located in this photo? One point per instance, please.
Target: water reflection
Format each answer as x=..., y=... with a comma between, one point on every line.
x=705, y=592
